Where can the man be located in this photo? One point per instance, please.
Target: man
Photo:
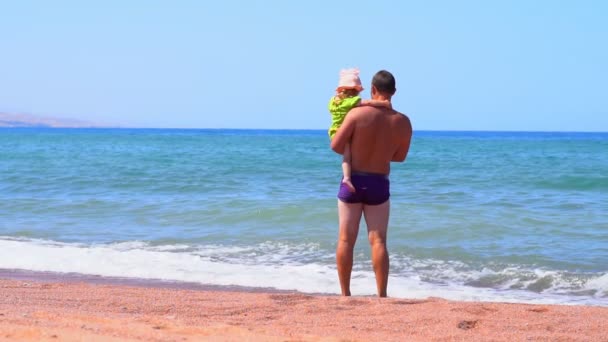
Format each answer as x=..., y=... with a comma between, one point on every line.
x=378, y=136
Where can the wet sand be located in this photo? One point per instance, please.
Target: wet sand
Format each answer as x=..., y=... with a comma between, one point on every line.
x=46, y=307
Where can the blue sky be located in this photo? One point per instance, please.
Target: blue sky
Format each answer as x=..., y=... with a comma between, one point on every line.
x=460, y=65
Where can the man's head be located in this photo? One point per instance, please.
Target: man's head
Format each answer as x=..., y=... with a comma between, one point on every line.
x=383, y=85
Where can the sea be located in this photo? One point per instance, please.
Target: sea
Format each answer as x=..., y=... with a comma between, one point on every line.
x=475, y=216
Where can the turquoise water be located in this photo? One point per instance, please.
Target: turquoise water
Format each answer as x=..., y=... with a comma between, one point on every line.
x=475, y=215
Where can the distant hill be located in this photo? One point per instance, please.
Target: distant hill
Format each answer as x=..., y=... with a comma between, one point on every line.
x=29, y=120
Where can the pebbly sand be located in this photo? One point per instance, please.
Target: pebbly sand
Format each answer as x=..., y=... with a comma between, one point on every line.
x=43, y=307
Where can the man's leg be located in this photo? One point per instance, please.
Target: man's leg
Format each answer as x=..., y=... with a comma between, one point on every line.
x=376, y=217
x=349, y=215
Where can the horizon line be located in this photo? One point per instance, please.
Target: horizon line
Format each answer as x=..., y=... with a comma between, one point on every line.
x=289, y=129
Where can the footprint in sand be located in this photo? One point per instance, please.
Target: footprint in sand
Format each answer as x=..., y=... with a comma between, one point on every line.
x=466, y=325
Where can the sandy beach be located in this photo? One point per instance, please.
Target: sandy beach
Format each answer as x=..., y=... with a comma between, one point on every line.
x=43, y=307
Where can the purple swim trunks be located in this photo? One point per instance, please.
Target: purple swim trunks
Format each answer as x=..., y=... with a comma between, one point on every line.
x=372, y=189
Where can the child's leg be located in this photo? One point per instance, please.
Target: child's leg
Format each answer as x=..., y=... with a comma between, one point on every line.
x=346, y=171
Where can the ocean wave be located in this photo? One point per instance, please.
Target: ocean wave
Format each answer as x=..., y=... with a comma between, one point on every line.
x=303, y=267
x=577, y=183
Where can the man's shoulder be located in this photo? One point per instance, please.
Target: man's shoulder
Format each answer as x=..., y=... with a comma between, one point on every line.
x=404, y=123
x=401, y=116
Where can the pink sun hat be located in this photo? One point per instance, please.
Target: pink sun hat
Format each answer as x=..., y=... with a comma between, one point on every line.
x=349, y=79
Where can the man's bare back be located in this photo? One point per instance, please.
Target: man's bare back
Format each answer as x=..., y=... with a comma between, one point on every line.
x=377, y=135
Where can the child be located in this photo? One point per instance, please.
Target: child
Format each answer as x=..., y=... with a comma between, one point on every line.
x=346, y=98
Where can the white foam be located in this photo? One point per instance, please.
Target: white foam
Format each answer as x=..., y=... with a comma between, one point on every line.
x=139, y=261
x=600, y=284
x=272, y=265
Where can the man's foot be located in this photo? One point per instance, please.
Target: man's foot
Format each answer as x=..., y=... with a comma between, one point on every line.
x=349, y=184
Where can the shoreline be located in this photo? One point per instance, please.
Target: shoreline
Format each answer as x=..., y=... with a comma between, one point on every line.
x=73, y=277
x=76, y=278
x=47, y=306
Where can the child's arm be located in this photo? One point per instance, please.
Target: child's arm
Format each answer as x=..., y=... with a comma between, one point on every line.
x=375, y=103
x=346, y=157
x=346, y=169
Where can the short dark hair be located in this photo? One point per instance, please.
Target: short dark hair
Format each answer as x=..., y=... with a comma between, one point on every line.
x=384, y=82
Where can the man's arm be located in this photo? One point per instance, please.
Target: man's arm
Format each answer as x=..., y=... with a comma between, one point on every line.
x=404, y=143
x=344, y=133
x=376, y=103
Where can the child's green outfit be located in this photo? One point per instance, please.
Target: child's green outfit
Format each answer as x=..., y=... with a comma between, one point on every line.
x=338, y=110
